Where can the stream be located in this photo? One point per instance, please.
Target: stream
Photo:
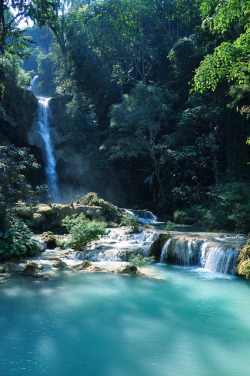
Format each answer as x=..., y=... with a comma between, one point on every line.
x=188, y=321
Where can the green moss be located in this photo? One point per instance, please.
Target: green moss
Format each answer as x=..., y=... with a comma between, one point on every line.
x=156, y=247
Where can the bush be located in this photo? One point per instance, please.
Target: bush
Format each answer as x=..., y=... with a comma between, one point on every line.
x=140, y=261
x=82, y=230
x=180, y=217
x=132, y=221
x=17, y=241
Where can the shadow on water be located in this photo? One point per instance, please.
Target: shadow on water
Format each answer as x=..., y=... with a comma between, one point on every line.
x=98, y=325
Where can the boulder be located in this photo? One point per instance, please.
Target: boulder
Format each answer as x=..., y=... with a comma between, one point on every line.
x=8, y=266
x=49, y=239
x=84, y=265
x=128, y=269
x=31, y=268
x=58, y=263
x=156, y=247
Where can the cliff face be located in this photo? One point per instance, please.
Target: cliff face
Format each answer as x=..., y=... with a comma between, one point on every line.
x=18, y=112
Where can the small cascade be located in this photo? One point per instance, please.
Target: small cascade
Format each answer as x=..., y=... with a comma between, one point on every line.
x=44, y=130
x=185, y=252
x=217, y=259
x=33, y=85
x=213, y=256
x=144, y=215
x=118, y=245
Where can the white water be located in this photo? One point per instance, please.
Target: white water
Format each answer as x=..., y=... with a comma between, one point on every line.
x=33, y=84
x=118, y=244
x=208, y=254
x=145, y=216
x=212, y=256
x=44, y=120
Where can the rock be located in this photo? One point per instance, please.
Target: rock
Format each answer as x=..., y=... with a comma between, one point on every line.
x=30, y=270
x=40, y=245
x=110, y=212
x=59, y=264
x=84, y=265
x=2, y=269
x=156, y=247
x=128, y=269
x=243, y=268
x=38, y=219
x=7, y=266
x=49, y=239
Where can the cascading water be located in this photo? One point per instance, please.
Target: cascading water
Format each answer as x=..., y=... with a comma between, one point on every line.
x=212, y=256
x=33, y=84
x=42, y=136
x=145, y=216
x=44, y=121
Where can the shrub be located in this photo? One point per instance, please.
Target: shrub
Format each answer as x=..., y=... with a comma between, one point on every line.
x=140, y=261
x=17, y=241
x=82, y=230
x=180, y=217
x=132, y=221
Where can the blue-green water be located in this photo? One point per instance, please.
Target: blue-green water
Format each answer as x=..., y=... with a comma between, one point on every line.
x=114, y=325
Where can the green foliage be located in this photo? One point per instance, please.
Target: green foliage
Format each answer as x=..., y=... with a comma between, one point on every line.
x=141, y=261
x=236, y=205
x=17, y=241
x=179, y=216
x=169, y=226
x=229, y=62
x=132, y=221
x=14, y=166
x=82, y=230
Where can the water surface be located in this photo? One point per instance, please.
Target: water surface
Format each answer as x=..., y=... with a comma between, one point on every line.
x=191, y=323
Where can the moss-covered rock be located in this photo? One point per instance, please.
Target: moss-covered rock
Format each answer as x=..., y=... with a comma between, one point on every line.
x=156, y=247
x=110, y=212
x=30, y=269
x=84, y=265
x=49, y=239
x=243, y=268
x=59, y=264
x=128, y=269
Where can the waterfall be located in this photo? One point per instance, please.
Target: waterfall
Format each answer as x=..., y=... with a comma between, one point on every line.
x=118, y=244
x=212, y=256
x=145, y=216
x=33, y=84
x=41, y=137
x=44, y=130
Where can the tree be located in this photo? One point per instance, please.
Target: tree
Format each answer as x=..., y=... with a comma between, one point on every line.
x=229, y=63
x=14, y=165
x=138, y=124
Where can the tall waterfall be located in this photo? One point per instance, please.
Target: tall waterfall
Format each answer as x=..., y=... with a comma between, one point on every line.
x=41, y=137
x=44, y=122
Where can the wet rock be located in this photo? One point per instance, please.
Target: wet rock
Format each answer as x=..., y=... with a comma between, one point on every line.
x=128, y=269
x=156, y=247
x=8, y=266
x=58, y=263
x=49, y=239
x=30, y=270
x=84, y=265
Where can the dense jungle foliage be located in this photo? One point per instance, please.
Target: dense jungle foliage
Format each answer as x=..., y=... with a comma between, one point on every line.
x=166, y=84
